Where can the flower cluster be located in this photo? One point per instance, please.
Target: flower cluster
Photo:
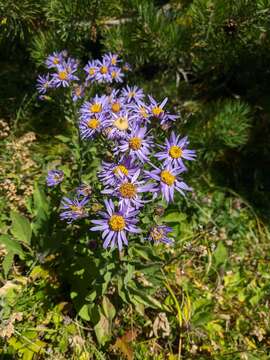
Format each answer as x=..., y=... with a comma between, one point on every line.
x=66, y=73
x=144, y=168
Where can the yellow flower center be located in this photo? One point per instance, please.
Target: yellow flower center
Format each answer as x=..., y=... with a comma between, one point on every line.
x=113, y=74
x=103, y=70
x=121, y=123
x=63, y=75
x=116, y=107
x=77, y=209
x=128, y=190
x=157, y=111
x=74, y=208
x=167, y=177
x=91, y=71
x=175, y=152
x=135, y=143
x=113, y=61
x=57, y=177
x=117, y=223
x=157, y=234
x=131, y=94
x=56, y=61
x=93, y=123
x=96, y=108
x=120, y=169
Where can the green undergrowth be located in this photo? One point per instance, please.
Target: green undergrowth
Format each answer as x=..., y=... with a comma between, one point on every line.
x=211, y=302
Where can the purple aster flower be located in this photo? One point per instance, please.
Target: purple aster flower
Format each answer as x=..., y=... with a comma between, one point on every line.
x=91, y=69
x=64, y=74
x=175, y=150
x=95, y=106
x=54, y=60
x=71, y=65
x=77, y=92
x=127, y=67
x=155, y=108
x=119, y=124
x=132, y=94
x=103, y=72
x=129, y=191
x=54, y=177
x=111, y=173
x=159, y=234
x=115, y=224
x=115, y=104
x=84, y=190
x=141, y=112
x=169, y=181
x=116, y=74
x=157, y=111
x=112, y=59
x=91, y=126
x=74, y=209
x=43, y=83
x=137, y=144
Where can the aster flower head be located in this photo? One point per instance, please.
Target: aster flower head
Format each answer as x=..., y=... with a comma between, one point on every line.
x=175, y=150
x=111, y=173
x=159, y=234
x=103, y=71
x=119, y=124
x=169, y=181
x=116, y=74
x=64, y=74
x=132, y=94
x=115, y=224
x=54, y=177
x=74, y=209
x=71, y=65
x=54, y=60
x=129, y=191
x=95, y=107
x=155, y=108
x=137, y=144
x=127, y=67
x=90, y=126
x=84, y=190
x=43, y=83
x=111, y=59
x=141, y=112
x=77, y=92
x=116, y=104
x=157, y=111
x=91, y=70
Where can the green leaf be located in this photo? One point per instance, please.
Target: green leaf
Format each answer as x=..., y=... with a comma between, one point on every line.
x=12, y=245
x=21, y=227
x=129, y=274
x=108, y=308
x=141, y=297
x=174, y=217
x=102, y=330
x=7, y=263
x=121, y=289
x=220, y=254
x=63, y=138
x=40, y=201
x=106, y=280
x=201, y=318
x=83, y=313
